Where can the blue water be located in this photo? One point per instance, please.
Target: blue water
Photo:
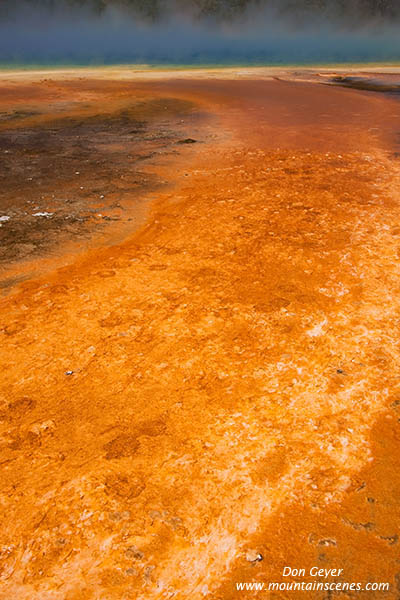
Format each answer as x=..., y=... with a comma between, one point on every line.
x=118, y=41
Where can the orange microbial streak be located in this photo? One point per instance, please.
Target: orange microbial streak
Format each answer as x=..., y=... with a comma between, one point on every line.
x=215, y=397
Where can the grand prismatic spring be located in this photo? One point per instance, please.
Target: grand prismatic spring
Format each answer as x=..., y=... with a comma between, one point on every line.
x=200, y=301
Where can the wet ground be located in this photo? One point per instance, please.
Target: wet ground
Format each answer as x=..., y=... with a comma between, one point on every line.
x=217, y=397
x=76, y=158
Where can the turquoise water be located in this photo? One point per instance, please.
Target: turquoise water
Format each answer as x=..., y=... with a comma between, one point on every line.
x=58, y=38
x=23, y=66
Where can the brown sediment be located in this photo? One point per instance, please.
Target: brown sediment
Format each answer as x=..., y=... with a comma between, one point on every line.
x=78, y=160
x=371, y=84
x=221, y=386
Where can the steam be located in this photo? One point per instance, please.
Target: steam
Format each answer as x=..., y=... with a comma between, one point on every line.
x=197, y=32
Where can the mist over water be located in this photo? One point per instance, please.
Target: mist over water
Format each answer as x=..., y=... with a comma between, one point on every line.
x=89, y=32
